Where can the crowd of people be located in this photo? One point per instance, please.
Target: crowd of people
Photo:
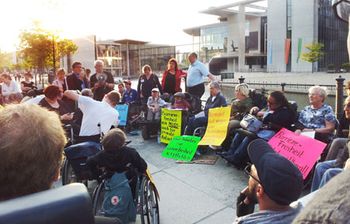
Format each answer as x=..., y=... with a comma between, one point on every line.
x=90, y=102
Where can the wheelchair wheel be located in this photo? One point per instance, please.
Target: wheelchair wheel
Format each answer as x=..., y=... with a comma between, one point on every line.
x=68, y=175
x=148, y=203
x=97, y=199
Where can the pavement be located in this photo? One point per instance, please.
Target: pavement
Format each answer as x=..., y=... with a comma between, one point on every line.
x=192, y=193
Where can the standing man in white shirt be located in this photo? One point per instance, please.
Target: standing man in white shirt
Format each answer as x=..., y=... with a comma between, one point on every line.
x=98, y=116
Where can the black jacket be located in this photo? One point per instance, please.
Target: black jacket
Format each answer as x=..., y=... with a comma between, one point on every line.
x=116, y=160
x=219, y=101
x=73, y=82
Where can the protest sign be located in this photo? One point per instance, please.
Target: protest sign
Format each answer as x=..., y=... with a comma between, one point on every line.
x=301, y=150
x=123, y=113
x=216, y=130
x=181, y=148
x=171, y=124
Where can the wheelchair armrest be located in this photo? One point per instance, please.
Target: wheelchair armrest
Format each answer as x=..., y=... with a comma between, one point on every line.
x=67, y=204
x=246, y=133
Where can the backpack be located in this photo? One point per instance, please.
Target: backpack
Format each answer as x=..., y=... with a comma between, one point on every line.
x=118, y=200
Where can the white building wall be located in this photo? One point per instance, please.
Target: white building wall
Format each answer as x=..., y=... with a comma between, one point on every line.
x=304, y=25
x=86, y=52
x=254, y=26
x=276, y=34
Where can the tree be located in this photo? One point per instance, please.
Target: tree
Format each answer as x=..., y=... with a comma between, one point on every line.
x=315, y=53
x=5, y=60
x=42, y=50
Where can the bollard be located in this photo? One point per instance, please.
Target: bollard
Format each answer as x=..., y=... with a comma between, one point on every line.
x=339, y=95
x=283, y=84
x=241, y=79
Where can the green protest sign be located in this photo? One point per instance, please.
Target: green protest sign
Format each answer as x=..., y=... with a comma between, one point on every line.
x=181, y=148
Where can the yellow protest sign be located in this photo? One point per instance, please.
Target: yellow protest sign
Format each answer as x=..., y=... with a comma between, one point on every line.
x=171, y=124
x=216, y=130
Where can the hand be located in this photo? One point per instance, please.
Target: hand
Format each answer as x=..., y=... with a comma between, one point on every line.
x=244, y=207
x=254, y=110
x=67, y=117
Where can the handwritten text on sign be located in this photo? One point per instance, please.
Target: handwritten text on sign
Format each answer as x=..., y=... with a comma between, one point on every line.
x=217, y=126
x=171, y=125
x=302, y=151
x=181, y=148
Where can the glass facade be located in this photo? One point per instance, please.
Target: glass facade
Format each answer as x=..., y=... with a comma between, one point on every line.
x=110, y=54
x=213, y=40
x=333, y=34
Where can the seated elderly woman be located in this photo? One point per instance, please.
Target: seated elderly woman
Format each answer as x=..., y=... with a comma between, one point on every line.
x=53, y=103
x=216, y=99
x=318, y=116
x=278, y=115
x=240, y=106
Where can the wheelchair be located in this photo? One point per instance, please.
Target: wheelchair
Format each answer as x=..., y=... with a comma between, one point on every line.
x=74, y=166
x=145, y=198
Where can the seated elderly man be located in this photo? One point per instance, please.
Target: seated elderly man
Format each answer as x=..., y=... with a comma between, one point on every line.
x=216, y=99
x=30, y=160
x=97, y=116
x=274, y=182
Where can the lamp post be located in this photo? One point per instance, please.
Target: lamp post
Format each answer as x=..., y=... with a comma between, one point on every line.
x=53, y=54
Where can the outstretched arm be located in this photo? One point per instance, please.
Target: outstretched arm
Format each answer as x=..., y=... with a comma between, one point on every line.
x=71, y=94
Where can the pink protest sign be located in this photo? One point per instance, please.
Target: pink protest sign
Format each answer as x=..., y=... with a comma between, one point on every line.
x=302, y=151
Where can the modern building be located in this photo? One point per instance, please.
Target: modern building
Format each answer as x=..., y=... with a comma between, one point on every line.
x=123, y=58
x=271, y=35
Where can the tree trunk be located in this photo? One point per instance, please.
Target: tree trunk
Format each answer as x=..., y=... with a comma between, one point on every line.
x=69, y=63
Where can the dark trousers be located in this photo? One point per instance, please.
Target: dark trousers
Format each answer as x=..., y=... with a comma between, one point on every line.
x=197, y=90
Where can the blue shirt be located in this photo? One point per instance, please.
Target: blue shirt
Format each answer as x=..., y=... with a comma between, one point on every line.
x=196, y=73
x=316, y=118
x=129, y=97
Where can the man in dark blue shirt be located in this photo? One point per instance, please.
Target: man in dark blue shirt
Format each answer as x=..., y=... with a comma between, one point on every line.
x=130, y=95
x=74, y=80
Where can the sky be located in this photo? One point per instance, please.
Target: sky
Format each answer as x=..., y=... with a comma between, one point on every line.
x=155, y=21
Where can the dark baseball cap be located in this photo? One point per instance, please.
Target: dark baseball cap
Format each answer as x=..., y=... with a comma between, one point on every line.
x=281, y=179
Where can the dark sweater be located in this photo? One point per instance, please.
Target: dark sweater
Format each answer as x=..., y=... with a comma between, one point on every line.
x=116, y=160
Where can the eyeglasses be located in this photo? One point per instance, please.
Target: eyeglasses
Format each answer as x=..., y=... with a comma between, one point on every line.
x=341, y=9
x=247, y=171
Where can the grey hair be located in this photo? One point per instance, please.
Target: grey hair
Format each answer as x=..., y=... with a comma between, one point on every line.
x=319, y=89
x=87, y=92
x=243, y=88
x=99, y=62
x=215, y=85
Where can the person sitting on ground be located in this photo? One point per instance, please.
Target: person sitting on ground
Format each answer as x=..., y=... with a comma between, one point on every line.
x=325, y=170
x=154, y=105
x=318, y=116
x=278, y=115
x=130, y=95
x=27, y=84
x=274, y=183
x=180, y=102
x=20, y=147
x=53, y=103
x=9, y=90
x=98, y=117
x=216, y=99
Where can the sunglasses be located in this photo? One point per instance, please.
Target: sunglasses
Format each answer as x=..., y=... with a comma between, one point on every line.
x=341, y=9
x=247, y=171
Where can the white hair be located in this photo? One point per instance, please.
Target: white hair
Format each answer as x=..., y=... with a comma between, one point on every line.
x=99, y=62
